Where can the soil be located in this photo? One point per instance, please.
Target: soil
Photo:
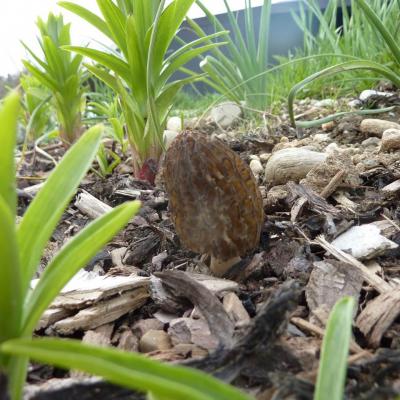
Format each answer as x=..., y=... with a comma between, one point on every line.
x=287, y=285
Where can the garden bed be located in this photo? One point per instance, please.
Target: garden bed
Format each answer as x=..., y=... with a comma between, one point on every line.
x=332, y=231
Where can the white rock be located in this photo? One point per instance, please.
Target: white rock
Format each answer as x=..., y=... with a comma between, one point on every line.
x=372, y=126
x=390, y=140
x=291, y=164
x=256, y=167
x=367, y=94
x=354, y=103
x=254, y=157
x=225, y=114
x=325, y=103
x=331, y=148
x=169, y=137
x=322, y=137
x=364, y=242
x=174, y=124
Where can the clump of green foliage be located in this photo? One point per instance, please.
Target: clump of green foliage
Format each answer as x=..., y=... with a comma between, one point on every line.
x=141, y=71
x=21, y=248
x=391, y=71
x=61, y=73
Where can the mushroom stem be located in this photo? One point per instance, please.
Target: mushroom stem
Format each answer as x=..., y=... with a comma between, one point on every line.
x=218, y=267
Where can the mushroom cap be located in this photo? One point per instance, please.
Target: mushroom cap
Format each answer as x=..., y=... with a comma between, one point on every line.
x=214, y=199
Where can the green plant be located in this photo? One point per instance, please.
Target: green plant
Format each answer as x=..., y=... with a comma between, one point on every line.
x=21, y=246
x=390, y=71
x=141, y=71
x=60, y=72
x=36, y=115
x=246, y=58
x=335, y=349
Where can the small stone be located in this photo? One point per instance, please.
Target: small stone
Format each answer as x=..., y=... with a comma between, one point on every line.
x=154, y=340
x=325, y=103
x=196, y=331
x=254, y=157
x=371, y=142
x=390, y=140
x=366, y=95
x=222, y=136
x=256, y=167
x=225, y=114
x=322, y=137
x=354, y=103
x=264, y=157
x=141, y=327
x=174, y=124
x=235, y=309
x=376, y=127
x=291, y=164
x=328, y=126
x=128, y=341
x=169, y=137
x=364, y=242
x=332, y=148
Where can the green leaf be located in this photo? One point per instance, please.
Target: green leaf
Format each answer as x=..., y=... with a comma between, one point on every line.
x=9, y=112
x=335, y=350
x=110, y=61
x=87, y=15
x=46, y=209
x=390, y=41
x=131, y=370
x=10, y=276
x=72, y=257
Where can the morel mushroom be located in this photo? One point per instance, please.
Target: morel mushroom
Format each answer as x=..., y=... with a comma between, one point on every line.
x=214, y=200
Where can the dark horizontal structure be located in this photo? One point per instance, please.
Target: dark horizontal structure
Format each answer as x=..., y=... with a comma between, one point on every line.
x=284, y=34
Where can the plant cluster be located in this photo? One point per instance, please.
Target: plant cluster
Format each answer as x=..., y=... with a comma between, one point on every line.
x=21, y=247
x=61, y=73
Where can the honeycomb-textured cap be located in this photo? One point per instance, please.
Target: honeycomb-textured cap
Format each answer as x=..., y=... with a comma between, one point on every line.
x=214, y=200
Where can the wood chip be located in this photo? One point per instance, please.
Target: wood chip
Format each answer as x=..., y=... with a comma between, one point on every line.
x=374, y=280
x=234, y=307
x=103, y=312
x=84, y=293
x=378, y=316
x=51, y=316
x=90, y=205
x=329, y=281
x=183, y=285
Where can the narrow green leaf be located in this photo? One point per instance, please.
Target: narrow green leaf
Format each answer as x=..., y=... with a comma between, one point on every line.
x=335, y=349
x=10, y=276
x=390, y=41
x=9, y=111
x=87, y=15
x=110, y=61
x=47, y=207
x=126, y=369
x=339, y=68
x=71, y=258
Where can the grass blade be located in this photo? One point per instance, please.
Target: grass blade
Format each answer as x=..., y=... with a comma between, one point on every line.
x=379, y=26
x=10, y=280
x=126, y=369
x=335, y=69
x=335, y=349
x=8, y=133
x=47, y=207
x=72, y=257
